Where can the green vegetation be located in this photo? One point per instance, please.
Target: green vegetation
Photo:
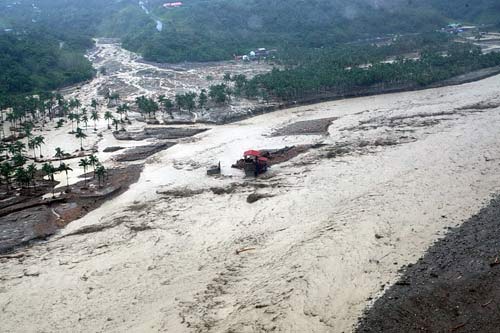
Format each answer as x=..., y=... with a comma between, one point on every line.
x=34, y=62
x=214, y=30
x=321, y=71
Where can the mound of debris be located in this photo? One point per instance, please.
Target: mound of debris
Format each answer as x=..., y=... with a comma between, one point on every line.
x=143, y=152
x=306, y=127
x=277, y=156
x=160, y=133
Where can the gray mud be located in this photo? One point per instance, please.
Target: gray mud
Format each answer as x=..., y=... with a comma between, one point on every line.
x=143, y=152
x=306, y=127
x=160, y=133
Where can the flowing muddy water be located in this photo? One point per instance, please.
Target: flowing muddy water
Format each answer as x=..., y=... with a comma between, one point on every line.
x=332, y=230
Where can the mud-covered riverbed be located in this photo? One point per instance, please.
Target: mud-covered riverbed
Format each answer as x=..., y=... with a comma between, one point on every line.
x=330, y=229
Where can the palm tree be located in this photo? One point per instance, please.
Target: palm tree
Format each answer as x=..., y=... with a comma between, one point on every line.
x=72, y=118
x=59, y=154
x=108, y=116
x=80, y=135
x=64, y=167
x=32, y=145
x=6, y=170
x=17, y=148
x=18, y=160
x=95, y=117
x=21, y=177
x=101, y=173
x=116, y=122
x=122, y=109
x=85, y=120
x=113, y=98
x=75, y=104
x=78, y=119
x=39, y=141
x=27, y=129
x=84, y=163
x=94, y=104
x=49, y=170
x=31, y=173
x=93, y=160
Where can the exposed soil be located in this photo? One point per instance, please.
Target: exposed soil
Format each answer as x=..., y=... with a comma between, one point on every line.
x=19, y=228
x=453, y=288
x=161, y=133
x=35, y=218
x=307, y=127
x=143, y=152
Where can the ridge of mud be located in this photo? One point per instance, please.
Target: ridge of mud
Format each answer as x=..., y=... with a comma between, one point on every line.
x=160, y=133
x=452, y=288
x=143, y=152
x=306, y=127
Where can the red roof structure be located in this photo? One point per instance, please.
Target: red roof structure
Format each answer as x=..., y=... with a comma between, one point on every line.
x=255, y=153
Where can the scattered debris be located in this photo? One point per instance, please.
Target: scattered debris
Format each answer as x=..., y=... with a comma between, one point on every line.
x=214, y=170
x=245, y=250
x=256, y=197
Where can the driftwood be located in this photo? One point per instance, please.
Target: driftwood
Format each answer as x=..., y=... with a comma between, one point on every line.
x=245, y=250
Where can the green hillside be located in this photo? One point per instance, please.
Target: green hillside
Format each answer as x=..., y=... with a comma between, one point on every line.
x=203, y=30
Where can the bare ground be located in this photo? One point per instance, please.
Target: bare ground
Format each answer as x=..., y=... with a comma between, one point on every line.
x=453, y=288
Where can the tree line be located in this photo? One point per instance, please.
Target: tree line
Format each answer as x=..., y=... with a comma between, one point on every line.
x=329, y=73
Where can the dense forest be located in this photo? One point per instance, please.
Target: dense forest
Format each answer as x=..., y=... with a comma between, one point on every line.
x=212, y=30
x=43, y=41
x=202, y=30
x=324, y=72
x=37, y=61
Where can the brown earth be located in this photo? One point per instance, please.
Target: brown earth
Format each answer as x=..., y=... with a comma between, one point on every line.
x=33, y=218
x=160, y=133
x=143, y=152
x=453, y=288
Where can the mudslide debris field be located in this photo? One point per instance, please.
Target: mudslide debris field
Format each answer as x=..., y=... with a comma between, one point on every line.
x=307, y=247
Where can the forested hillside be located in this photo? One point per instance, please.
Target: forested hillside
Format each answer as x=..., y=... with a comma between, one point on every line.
x=42, y=43
x=209, y=30
x=35, y=61
x=202, y=30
